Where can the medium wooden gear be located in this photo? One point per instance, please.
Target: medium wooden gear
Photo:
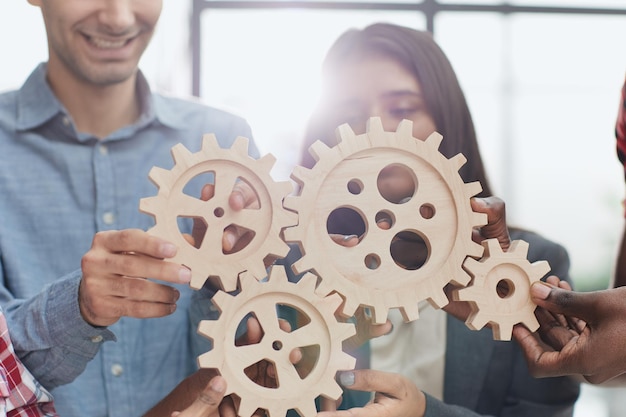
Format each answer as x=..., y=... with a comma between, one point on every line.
x=227, y=166
x=322, y=330
x=513, y=274
x=355, y=162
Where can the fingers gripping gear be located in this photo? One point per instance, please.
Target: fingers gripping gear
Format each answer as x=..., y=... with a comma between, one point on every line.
x=228, y=167
x=500, y=290
x=322, y=330
x=347, y=176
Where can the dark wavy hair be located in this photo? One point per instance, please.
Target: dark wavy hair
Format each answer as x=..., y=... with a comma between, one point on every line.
x=418, y=53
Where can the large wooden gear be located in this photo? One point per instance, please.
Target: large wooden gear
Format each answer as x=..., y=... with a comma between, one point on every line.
x=500, y=290
x=358, y=160
x=227, y=166
x=262, y=300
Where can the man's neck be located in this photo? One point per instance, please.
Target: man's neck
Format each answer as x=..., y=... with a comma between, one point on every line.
x=98, y=110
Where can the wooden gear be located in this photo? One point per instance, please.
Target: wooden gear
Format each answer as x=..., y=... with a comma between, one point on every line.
x=228, y=166
x=323, y=330
x=448, y=233
x=516, y=274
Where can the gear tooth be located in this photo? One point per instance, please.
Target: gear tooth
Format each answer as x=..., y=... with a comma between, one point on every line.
x=300, y=174
x=209, y=142
x=197, y=280
x=410, y=312
x=318, y=149
x=289, y=219
x=345, y=331
x=301, y=266
x=346, y=362
x=324, y=288
x=478, y=321
x=344, y=133
x=438, y=298
x=472, y=266
x=458, y=161
x=292, y=203
x=472, y=189
x=379, y=314
x=277, y=274
x=492, y=247
x=180, y=155
x=257, y=270
x=478, y=219
x=222, y=300
x=305, y=409
x=505, y=329
x=267, y=162
x=520, y=247
x=334, y=300
x=350, y=307
x=209, y=360
x=160, y=177
x=205, y=328
x=374, y=124
x=240, y=145
x=330, y=390
x=291, y=234
x=533, y=325
x=434, y=140
x=405, y=128
x=308, y=282
x=149, y=205
x=540, y=269
x=284, y=188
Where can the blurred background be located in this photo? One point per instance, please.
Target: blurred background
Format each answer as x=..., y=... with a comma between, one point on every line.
x=542, y=78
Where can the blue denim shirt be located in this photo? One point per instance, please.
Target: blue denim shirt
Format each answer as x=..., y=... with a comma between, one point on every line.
x=58, y=187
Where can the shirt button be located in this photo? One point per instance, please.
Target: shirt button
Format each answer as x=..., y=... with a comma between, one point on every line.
x=97, y=339
x=117, y=369
x=104, y=151
x=108, y=218
x=66, y=121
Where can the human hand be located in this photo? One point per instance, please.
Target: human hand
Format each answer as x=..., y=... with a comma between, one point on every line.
x=588, y=342
x=496, y=227
x=208, y=402
x=394, y=395
x=115, y=271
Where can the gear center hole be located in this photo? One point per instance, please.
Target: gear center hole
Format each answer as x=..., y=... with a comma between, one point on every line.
x=505, y=288
x=277, y=345
x=218, y=212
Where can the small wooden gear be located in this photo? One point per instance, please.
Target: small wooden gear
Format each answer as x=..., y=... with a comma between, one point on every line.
x=500, y=289
x=346, y=176
x=322, y=331
x=227, y=166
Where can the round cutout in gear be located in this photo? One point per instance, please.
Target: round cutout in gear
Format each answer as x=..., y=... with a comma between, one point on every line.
x=321, y=333
x=347, y=177
x=228, y=166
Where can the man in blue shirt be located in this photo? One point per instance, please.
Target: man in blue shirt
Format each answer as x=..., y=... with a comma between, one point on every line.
x=77, y=141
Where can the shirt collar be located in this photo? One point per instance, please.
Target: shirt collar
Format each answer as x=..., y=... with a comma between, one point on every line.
x=37, y=104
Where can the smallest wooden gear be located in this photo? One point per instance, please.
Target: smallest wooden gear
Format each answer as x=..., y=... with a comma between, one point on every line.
x=500, y=289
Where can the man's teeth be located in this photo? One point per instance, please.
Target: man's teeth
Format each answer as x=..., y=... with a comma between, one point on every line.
x=107, y=44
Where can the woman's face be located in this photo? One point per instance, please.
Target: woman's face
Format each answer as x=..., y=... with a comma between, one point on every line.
x=379, y=86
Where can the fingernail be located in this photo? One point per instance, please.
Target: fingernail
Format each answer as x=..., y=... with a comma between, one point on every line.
x=540, y=290
x=184, y=275
x=168, y=250
x=346, y=379
x=217, y=384
x=349, y=237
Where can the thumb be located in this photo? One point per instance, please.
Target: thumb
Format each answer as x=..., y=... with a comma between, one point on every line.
x=568, y=303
